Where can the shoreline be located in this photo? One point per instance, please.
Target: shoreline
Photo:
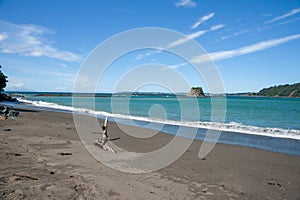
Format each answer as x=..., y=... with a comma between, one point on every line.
x=36, y=138
x=260, y=139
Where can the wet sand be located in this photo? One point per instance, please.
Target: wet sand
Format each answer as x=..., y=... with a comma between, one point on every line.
x=42, y=157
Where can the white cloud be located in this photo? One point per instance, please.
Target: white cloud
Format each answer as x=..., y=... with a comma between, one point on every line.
x=278, y=24
x=235, y=34
x=175, y=66
x=3, y=36
x=13, y=86
x=61, y=89
x=217, y=27
x=202, y=20
x=291, y=13
x=187, y=38
x=185, y=3
x=243, y=50
x=143, y=55
x=30, y=40
x=194, y=35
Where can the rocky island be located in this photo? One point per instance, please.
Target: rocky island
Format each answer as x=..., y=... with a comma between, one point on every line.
x=196, y=91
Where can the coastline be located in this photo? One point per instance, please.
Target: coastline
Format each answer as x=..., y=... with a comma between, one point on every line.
x=36, y=137
x=272, y=139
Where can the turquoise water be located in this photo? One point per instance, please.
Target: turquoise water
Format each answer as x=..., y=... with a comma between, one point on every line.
x=283, y=113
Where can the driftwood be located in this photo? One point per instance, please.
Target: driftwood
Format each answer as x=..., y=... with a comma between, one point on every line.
x=64, y=154
x=26, y=176
x=104, y=146
x=6, y=112
x=3, y=117
x=102, y=141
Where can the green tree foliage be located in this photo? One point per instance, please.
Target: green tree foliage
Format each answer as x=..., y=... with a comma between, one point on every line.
x=3, y=80
x=281, y=91
x=197, y=91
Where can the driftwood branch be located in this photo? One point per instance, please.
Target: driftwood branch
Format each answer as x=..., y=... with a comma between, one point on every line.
x=102, y=141
x=104, y=146
x=64, y=154
x=26, y=176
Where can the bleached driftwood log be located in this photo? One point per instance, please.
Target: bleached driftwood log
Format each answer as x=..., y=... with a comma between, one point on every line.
x=102, y=141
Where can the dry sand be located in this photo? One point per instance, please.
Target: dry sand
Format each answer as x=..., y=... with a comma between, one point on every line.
x=31, y=147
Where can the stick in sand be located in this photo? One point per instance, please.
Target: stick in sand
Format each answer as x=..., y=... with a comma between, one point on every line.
x=104, y=131
x=27, y=176
x=102, y=142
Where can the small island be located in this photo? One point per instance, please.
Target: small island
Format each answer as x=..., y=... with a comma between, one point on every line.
x=196, y=91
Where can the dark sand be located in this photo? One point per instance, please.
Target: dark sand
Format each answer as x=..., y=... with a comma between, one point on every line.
x=35, y=138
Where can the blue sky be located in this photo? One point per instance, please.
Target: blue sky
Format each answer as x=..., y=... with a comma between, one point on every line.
x=253, y=43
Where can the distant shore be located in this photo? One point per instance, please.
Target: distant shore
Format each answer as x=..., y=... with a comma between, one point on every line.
x=34, y=166
x=16, y=94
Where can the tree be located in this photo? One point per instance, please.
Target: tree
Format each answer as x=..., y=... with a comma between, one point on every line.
x=3, y=80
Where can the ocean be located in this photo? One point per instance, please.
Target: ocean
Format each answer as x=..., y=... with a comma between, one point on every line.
x=260, y=122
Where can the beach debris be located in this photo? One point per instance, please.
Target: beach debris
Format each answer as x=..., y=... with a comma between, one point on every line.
x=26, y=176
x=15, y=154
x=6, y=112
x=104, y=146
x=102, y=141
x=64, y=154
x=278, y=184
x=271, y=182
x=112, y=139
x=104, y=130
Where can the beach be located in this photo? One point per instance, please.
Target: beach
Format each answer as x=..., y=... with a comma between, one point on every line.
x=42, y=157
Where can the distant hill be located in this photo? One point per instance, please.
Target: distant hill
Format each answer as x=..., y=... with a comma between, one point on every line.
x=281, y=91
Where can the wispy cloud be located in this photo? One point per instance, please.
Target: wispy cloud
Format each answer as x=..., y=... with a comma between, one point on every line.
x=291, y=13
x=13, y=86
x=243, y=50
x=187, y=38
x=174, y=66
x=278, y=24
x=266, y=14
x=149, y=53
x=217, y=27
x=186, y=3
x=61, y=89
x=180, y=41
x=3, y=36
x=194, y=35
x=202, y=20
x=30, y=40
x=235, y=34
